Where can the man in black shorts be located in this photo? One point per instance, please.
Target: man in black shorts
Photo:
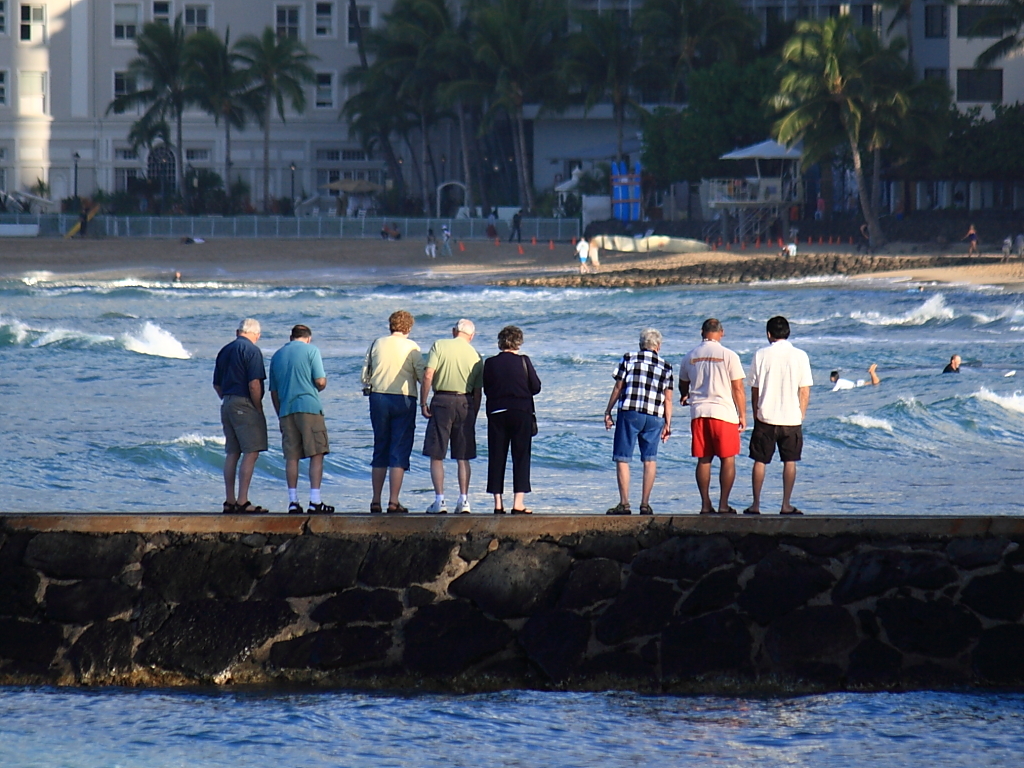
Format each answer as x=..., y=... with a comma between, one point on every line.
x=780, y=388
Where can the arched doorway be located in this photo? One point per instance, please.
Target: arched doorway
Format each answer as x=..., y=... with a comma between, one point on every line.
x=161, y=168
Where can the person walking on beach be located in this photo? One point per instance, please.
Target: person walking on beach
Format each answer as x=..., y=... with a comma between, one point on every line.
x=972, y=241
x=510, y=382
x=297, y=378
x=711, y=382
x=238, y=378
x=446, y=241
x=780, y=389
x=841, y=383
x=431, y=249
x=583, y=253
x=391, y=374
x=455, y=372
x=514, y=232
x=953, y=366
x=643, y=394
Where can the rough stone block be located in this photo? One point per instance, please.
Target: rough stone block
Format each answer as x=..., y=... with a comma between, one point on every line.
x=103, y=649
x=152, y=613
x=874, y=663
x=878, y=571
x=474, y=548
x=516, y=579
x=937, y=628
x=313, y=565
x=401, y=562
x=88, y=600
x=18, y=587
x=204, y=569
x=371, y=606
x=555, y=641
x=418, y=596
x=998, y=595
x=974, y=553
x=823, y=546
x=684, y=557
x=332, y=649
x=12, y=551
x=611, y=546
x=642, y=608
x=205, y=637
x=755, y=546
x=621, y=664
x=29, y=642
x=714, y=592
x=999, y=655
x=716, y=643
x=781, y=583
x=448, y=637
x=818, y=633
x=82, y=555
x=590, y=582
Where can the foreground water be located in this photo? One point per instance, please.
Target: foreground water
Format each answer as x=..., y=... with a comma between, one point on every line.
x=115, y=729
x=108, y=405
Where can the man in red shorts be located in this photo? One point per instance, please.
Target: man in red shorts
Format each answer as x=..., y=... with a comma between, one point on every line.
x=711, y=381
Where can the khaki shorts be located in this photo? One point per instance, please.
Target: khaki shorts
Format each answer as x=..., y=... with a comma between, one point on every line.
x=245, y=428
x=304, y=435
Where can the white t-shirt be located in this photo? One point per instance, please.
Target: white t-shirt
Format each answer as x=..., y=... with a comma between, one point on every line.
x=711, y=368
x=847, y=384
x=582, y=249
x=778, y=372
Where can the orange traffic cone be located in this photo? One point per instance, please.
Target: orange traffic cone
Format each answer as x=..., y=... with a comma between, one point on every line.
x=743, y=245
x=780, y=242
x=520, y=249
x=574, y=242
x=462, y=246
x=497, y=241
x=851, y=239
x=830, y=239
x=533, y=241
x=821, y=240
x=551, y=245
x=757, y=243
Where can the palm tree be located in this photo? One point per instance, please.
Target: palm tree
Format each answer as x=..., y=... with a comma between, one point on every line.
x=162, y=66
x=277, y=68
x=220, y=86
x=1005, y=18
x=840, y=85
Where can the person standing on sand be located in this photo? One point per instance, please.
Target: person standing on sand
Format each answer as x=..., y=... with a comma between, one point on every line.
x=841, y=383
x=953, y=366
x=514, y=232
x=446, y=241
x=711, y=382
x=238, y=378
x=643, y=393
x=780, y=389
x=297, y=378
x=455, y=371
x=972, y=241
x=431, y=249
x=583, y=253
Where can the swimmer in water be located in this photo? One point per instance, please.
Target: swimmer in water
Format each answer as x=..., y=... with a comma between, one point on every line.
x=841, y=383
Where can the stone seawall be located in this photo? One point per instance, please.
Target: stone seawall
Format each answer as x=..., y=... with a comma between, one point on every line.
x=475, y=602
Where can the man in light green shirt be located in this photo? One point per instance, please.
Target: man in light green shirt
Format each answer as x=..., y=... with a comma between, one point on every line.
x=455, y=371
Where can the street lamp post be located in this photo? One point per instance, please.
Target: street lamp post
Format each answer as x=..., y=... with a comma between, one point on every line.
x=293, y=187
x=77, y=157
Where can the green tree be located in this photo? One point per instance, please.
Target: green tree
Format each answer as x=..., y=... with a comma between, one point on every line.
x=1005, y=18
x=277, y=69
x=162, y=67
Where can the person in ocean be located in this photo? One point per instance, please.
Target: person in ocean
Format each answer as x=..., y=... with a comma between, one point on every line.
x=953, y=366
x=238, y=378
x=841, y=383
x=972, y=241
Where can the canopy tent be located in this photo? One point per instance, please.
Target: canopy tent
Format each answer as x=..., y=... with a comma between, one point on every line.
x=354, y=187
x=766, y=150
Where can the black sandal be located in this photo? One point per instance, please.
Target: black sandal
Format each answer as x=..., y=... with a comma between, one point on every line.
x=320, y=509
x=229, y=508
x=375, y=508
x=499, y=510
x=250, y=509
x=523, y=511
x=397, y=509
x=294, y=508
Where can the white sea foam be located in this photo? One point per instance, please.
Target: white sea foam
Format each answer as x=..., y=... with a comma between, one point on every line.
x=1008, y=374
x=151, y=339
x=1014, y=402
x=18, y=330
x=867, y=422
x=196, y=440
x=70, y=337
x=933, y=309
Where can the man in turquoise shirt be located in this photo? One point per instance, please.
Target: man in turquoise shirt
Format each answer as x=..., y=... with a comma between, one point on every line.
x=297, y=378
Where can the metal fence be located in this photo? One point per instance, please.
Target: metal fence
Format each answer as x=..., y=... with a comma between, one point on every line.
x=286, y=226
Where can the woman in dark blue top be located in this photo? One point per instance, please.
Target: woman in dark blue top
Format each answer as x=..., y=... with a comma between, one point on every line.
x=510, y=382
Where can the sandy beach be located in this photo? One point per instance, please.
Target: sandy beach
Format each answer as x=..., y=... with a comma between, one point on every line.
x=332, y=261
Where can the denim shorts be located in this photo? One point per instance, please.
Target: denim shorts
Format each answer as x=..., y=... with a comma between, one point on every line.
x=393, y=418
x=634, y=427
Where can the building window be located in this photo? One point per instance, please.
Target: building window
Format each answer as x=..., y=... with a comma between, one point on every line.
x=937, y=73
x=197, y=18
x=197, y=155
x=936, y=21
x=3, y=17
x=126, y=22
x=288, y=21
x=124, y=178
x=971, y=22
x=162, y=12
x=328, y=155
x=3, y=179
x=353, y=155
x=32, y=93
x=325, y=176
x=162, y=168
x=984, y=85
x=360, y=17
x=325, y=19
x=868, y=15
x=3, y=88
x=33, y=23
x=123, y=84
x=126, y=153
x=324, y=90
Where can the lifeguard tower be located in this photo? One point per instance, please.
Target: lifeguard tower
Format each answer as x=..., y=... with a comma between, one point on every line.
x=750, y=205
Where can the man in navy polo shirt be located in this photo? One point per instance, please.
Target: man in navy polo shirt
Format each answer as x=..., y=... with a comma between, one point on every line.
x=238, y=379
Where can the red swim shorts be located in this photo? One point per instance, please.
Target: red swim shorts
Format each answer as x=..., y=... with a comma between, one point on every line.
x=714, y=437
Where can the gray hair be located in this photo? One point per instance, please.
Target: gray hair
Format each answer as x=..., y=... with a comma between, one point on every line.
x=249, y=325
x=465, y=326
x=650, y=338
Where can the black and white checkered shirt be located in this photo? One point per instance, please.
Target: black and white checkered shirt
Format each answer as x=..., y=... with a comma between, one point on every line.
x=645, y=377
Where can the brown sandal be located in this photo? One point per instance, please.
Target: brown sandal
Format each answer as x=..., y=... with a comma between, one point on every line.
x=523, y=511
x=397, y=509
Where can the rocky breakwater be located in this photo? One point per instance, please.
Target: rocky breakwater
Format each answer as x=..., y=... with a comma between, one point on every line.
x=472, y=603
x=751, y=270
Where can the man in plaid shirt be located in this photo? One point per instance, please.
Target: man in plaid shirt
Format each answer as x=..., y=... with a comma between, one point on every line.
x=643, y=391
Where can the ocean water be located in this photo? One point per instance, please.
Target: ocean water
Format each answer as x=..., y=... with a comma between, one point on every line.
x=108, y=403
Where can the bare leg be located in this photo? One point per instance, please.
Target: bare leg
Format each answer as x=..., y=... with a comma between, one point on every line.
x=291, y=472
x=245, y=476
x=437, y=474
x=316, y=470
x=726, y=477
x=377, y=475
x=622, y=475
x=519, y=501
x=230, y=463
x=464, y=472
x=788, y=481
x=704, y=484
x=395, y=477
x=650, y=472
x=498, y=502
x=756, y=481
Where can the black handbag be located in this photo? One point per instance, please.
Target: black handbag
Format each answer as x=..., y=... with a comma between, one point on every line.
x=533, y=414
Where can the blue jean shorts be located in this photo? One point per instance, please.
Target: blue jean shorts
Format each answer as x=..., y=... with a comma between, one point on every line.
x=393, y=418
x=633, y=427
